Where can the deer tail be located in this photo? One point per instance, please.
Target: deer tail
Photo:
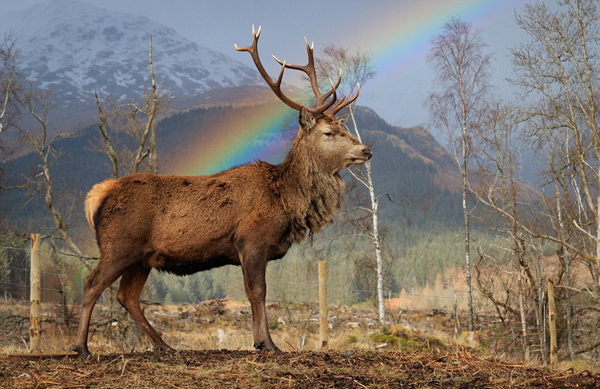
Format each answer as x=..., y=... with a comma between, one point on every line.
x=96, y=197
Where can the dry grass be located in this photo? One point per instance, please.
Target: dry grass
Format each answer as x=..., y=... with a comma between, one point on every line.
x=418, y=351
x=250, y=369
x=223, y=324
x=226, y=325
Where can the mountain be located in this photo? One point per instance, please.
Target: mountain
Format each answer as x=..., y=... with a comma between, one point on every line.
x=417, y=179
x=74, y=48
x=416, y=142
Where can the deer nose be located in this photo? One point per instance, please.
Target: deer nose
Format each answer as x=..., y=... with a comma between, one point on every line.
x=367, y=152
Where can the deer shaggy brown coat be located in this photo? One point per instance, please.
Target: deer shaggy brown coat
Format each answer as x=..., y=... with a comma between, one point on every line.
x=245, y=216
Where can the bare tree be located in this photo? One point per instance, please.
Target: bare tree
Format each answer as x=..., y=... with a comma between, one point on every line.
x=9, y=86
x=557, y=74
x=357, y=70
x=137, y=121
x=558, y=68
x=498, y=161
x=8, y=82
x=462, y=67
x=559, y=205
x=38, y=104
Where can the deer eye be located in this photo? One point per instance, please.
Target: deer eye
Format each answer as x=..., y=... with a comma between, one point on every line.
x=328, y=133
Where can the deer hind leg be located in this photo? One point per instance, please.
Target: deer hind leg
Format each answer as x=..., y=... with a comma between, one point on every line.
x=254, y=268
x=130, y=289
x=100, y=278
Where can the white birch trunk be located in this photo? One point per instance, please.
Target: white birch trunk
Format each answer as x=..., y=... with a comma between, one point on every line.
x=375, y=235
x=522, y=314
x=598, y=241
x=375, y=238
x=466, y=220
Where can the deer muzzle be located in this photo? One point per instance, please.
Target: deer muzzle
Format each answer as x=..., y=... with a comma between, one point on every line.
x=368, y=153
x=360, y=155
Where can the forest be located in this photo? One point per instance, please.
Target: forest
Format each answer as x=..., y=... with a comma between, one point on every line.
x=457, y=223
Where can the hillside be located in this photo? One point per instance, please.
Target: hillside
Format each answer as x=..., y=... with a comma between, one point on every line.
x=414, y=170
x=407, y=163
x=408, y=166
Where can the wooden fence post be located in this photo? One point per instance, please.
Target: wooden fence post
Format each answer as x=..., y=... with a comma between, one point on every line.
x=35, y=295
x=552, y=323
x=323, y=338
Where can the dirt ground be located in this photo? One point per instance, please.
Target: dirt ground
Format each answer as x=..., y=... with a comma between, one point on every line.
x=253, y=369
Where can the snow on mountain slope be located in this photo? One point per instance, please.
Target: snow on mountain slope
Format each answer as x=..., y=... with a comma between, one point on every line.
x=74, y=48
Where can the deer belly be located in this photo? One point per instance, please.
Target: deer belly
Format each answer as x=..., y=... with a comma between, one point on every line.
x=182, y=267
x=181, y=261
x=191, y=250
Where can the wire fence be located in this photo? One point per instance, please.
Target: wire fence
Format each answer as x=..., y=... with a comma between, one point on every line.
x=58, y=296
x=51, y=290
x=14, y=273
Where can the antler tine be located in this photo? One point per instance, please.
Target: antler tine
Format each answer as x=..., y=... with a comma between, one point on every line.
x=333, y=92
x=274, y=85
x=334, y=87
x=342, y=104
x=322, y=104
x=308, y=69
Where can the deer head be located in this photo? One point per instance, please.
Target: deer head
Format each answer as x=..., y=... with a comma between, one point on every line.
x=330, y=144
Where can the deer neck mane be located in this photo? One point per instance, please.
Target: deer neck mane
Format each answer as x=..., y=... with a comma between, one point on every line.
x=309, y=194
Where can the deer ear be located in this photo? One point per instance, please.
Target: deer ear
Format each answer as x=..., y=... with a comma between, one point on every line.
x=342, y=120
x=306, y=120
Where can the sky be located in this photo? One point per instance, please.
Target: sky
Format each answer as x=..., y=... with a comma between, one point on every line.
x=395, y=33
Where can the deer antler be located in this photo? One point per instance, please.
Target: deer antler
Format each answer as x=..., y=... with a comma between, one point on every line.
x=322, y=104
x=274, y=85
x=309, y=70
x=342, y=103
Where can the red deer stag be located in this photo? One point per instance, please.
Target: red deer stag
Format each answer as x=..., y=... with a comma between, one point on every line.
x=246, y=216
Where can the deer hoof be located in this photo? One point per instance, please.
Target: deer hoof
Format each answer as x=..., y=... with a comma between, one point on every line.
x=265, y=347
x=164, y=350
x=82, y=352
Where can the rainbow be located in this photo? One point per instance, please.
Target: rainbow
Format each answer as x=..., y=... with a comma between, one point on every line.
x=401, y=41
x=236, y=139
x=401, y=37
x=396, y=38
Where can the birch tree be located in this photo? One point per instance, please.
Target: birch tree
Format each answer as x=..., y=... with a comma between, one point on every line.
x=356, y=70
x=9, y=86
x=498, y=160
x=462, y=68
x=557, y=73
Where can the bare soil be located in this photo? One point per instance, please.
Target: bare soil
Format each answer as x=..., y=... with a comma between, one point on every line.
x=253, y=369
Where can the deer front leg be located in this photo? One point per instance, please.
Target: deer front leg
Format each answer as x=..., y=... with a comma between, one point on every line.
x=254, y=268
